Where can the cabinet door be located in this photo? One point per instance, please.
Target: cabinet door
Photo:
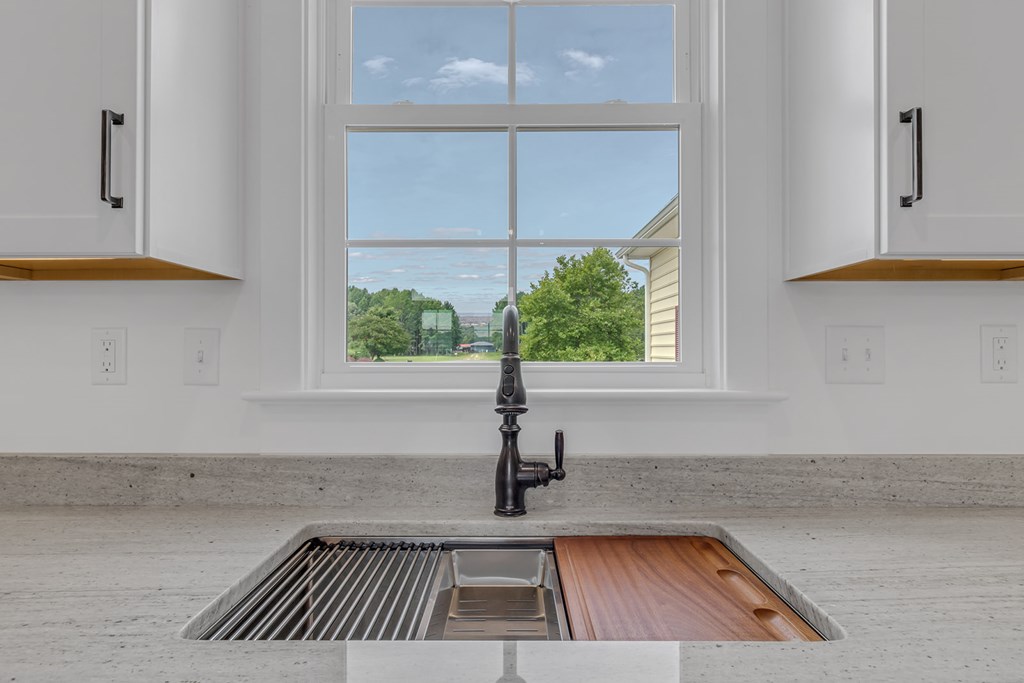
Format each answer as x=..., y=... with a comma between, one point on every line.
x=64, y=62
x=960, y=62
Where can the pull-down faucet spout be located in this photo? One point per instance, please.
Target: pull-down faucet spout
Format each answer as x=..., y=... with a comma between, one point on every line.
x=513, y=476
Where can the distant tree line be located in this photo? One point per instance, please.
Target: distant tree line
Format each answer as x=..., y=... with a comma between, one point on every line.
x=390, y=322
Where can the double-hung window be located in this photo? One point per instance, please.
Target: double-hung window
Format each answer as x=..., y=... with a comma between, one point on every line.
x=480, y=150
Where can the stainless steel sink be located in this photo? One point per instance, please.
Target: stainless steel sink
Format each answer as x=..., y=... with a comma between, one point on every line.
x=335, y=588
x=420, y=588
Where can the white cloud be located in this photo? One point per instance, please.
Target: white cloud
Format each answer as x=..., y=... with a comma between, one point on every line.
x=524, y=74
x=364, y=280
x=465, y=73
x=581, y=62
x=461, y=73
x=416, y=80
x=379, y=66
x=397, y=270
x=468, y=276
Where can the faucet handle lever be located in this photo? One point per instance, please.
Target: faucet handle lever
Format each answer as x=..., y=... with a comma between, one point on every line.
x=559, y=472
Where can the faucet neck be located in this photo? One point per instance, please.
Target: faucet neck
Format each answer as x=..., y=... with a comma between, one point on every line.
x=510, y=331
x=511, y=395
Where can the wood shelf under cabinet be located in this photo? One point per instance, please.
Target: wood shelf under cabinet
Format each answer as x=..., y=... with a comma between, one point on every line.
x=24, y=270
x=923, y=270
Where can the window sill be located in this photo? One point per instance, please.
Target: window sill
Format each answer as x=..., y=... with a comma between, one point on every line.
x=535, y=396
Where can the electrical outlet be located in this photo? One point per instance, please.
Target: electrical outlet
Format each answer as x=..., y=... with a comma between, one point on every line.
x=999, y=354
x=109, y=354
x=854, y=355
x=202, y=356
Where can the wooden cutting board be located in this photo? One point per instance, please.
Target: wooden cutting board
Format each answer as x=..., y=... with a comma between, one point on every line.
x=668, y=588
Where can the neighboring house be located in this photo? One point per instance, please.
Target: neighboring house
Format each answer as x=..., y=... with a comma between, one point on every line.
x=661, y=286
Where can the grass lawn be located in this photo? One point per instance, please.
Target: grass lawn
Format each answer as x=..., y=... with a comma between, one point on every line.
x=443, y=359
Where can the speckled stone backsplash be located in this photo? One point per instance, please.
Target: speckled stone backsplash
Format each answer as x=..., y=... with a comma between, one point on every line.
x=655, y=483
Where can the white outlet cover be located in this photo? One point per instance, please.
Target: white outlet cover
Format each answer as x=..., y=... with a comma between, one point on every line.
x=854, y=354
x=109, y=355
x=202, y=356
x=1005, y=351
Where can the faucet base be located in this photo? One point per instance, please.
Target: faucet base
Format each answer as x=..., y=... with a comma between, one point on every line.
x=510, y=512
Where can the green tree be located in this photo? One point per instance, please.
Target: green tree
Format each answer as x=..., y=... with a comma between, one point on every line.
x=468, y=335
x=587, y=309
x=377, y=333
x=358, y=301
x=408, y=306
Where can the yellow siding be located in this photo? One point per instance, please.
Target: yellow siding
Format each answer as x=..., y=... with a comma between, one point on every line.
x=666, y=265
x=664, y=329
x=664, y=304
x=662, y=300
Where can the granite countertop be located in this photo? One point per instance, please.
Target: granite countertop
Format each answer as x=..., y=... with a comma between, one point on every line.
x=102, y=593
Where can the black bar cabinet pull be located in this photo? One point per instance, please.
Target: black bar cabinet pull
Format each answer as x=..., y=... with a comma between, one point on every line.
x=913, y=117
x=110, y=118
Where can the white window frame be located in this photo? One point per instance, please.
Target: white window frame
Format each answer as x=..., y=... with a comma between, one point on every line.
x=328, y=276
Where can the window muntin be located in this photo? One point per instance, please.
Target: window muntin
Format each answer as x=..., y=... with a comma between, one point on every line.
x=679, y=117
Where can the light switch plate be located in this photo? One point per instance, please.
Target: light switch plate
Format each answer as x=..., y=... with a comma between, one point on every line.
x=855, y=354
x=999, y=354
x=202, y=356
x=109, y=355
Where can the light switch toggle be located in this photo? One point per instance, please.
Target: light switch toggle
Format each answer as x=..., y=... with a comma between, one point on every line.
x=202, y=356
x=855, y=354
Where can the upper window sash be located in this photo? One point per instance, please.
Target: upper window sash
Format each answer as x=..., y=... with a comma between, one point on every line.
x=338, y=43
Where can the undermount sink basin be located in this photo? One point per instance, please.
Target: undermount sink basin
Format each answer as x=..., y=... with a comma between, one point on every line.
x=429, y=588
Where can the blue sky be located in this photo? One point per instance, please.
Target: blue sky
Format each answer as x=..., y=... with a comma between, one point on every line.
x=459, y=55
x=454, y=185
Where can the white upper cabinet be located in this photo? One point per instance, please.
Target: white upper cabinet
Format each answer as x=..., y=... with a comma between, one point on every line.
x=65, y=61
x=960, y=62
x=120, y=125
x=889, y=100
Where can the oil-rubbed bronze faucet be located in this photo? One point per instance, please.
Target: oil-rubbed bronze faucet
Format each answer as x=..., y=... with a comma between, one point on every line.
x=514, y=476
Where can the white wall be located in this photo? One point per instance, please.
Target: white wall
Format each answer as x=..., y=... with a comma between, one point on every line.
x=47, y=401
x=932, y=400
